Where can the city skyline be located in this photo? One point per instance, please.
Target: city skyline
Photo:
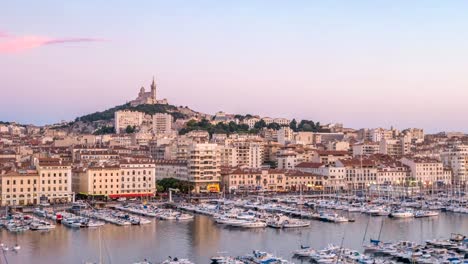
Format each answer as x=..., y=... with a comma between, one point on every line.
x=364, y=65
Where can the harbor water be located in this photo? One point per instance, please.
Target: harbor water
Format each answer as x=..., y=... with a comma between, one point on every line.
x=201, y=238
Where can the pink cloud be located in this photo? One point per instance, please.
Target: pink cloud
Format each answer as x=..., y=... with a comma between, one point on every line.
x=12, y=44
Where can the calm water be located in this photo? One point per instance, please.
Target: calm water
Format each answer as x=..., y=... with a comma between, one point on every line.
x=201, y=238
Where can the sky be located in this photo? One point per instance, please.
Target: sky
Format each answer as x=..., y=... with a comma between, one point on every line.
x=360, y=63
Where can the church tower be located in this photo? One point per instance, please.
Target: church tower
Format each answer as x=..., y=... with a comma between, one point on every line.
x=153, y=91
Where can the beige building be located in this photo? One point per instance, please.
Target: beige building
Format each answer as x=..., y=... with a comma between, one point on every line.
x=329, y=157
x=360, y=173
x=395, y=147
x=249, y=179
x=365, y=149
x=162, y=123
x=338, y=145
x=19, y=188
x=55, y=180
x=304, y=138
x=125, y=118
x=138, y=177
x=97, y=179
x=457, y=160
x=285, y=135
x=204, y=167
x=427, y=171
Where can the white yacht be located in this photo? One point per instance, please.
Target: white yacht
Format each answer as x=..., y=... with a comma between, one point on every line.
x=402, y=213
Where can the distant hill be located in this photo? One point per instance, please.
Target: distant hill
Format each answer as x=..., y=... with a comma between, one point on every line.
x=106, y=115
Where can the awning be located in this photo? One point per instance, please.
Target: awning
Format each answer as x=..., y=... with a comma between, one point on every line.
x=130, y=195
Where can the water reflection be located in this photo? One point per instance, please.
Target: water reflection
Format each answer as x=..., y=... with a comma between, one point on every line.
x=202, y=238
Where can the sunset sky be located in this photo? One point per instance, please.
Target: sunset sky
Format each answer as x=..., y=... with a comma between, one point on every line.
x=362, y=63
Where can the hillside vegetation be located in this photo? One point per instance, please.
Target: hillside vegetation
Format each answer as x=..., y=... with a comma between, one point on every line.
x=147, y=109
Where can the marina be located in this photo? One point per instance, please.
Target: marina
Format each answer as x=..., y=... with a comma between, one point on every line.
x=249, y=228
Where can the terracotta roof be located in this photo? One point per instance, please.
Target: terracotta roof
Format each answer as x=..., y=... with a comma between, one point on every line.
x=311, y=165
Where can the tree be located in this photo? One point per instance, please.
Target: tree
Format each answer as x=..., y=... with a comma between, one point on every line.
x=274, y=126
x=165, y=184
x=293, y=125
x=130, y=129
x=260, y=124
x=308, y=126
x=104, y=130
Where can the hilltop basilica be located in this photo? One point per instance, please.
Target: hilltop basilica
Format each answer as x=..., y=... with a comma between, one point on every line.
x=148, y=97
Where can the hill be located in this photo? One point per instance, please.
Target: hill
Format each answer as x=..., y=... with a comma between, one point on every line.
x=102, y=122
x=147, y=109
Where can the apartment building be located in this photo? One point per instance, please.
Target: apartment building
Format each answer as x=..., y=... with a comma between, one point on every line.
x=359, y=173
x=249, y=179
x=162, y=123
x=176, y=169
x=285, y=135
x=457, y=160
x=427, y=171
x=366, y=149
x=125, y=118
x=204, y=167
x=97, y=179
x=19, y=188
x=55, y=180
x=138, y=177
x=329, y=157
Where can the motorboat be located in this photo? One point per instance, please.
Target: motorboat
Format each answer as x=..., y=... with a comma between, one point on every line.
x=16, y=247
x=41, y=226
x=281, y=221
x=402, y=213
x=305, y=251
x=249, y=224
x=183, y=217
x=422, y=213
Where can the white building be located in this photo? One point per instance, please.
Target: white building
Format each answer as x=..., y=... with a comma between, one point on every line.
x=162, y=123
x=366, y=149
x=457, y=160
x=126, y=118
x=204, y=170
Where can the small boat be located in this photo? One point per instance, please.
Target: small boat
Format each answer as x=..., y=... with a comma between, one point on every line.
x=176, y=260
x=305, y=251
x=182, y=217
x=222, y=259
x=419, y=214
x=281, y=221
x=402, y=213
x=41, y=226
x=4, y=247
x=250, y=224
x=16, y=247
